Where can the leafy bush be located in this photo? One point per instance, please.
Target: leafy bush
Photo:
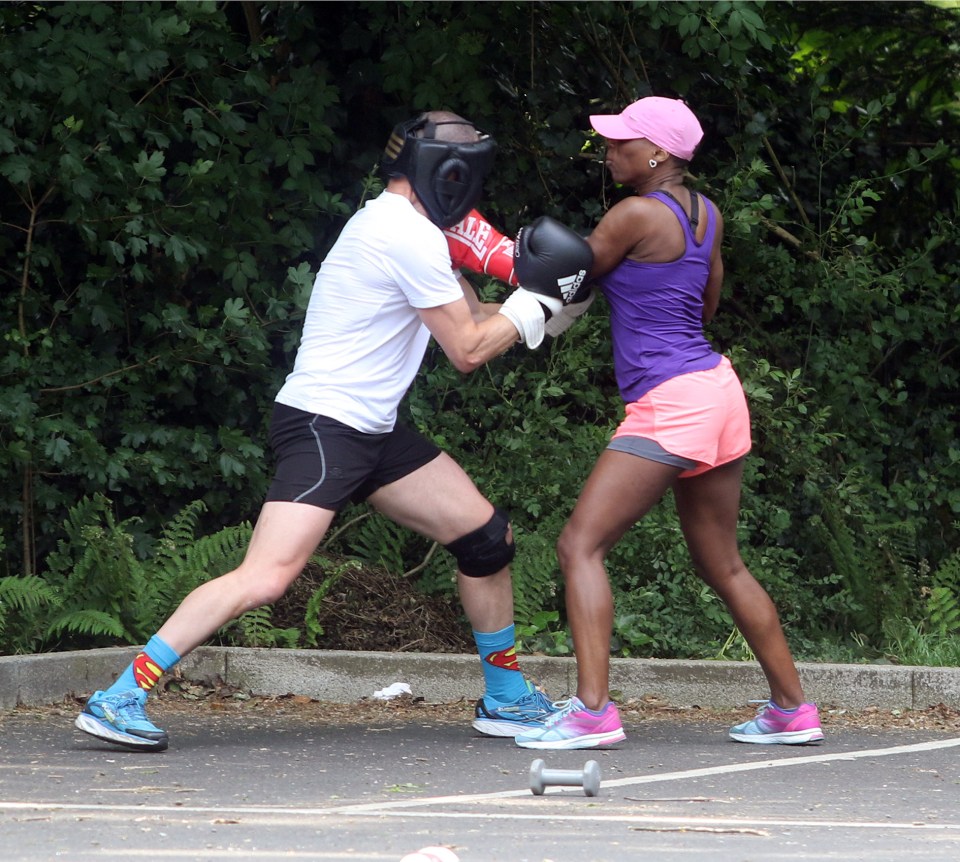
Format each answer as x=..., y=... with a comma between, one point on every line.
x=171, y=175
x=98, y=590
x=160, y=198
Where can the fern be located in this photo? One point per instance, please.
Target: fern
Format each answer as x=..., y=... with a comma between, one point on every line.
x=381, y=542
x=97, y=589
x=313, y=629
x=22, y=601
x=255, y=629
x=86, y=622
x=876, y=563
x=95, y=568
x=535, y=575
x=250, y=626
x=183, y=563
x=943, y=612
x=24, y=594
x=947, y=573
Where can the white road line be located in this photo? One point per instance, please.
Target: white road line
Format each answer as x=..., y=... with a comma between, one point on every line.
x=297, y=816
x=663, y=777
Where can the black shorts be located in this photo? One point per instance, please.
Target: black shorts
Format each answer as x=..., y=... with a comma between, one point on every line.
x=325, y=463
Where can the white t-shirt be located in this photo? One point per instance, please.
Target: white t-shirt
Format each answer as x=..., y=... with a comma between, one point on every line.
x=363, y=341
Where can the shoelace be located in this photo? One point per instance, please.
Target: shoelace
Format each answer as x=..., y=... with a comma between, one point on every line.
x=564, y=708
x=129, y=708
x=535, y=697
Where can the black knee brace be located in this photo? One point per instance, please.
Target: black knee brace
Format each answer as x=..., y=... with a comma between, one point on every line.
x=485, y=551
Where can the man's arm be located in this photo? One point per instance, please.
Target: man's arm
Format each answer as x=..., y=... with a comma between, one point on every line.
x=480, y=311
x=468, y=343
x=552, y=261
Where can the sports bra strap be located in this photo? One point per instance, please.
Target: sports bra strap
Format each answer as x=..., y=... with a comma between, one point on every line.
x=694, y=217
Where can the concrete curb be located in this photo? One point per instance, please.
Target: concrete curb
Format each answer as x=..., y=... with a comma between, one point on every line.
x=346, y=677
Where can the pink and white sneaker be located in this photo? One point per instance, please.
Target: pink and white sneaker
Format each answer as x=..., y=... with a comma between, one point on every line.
x=575, y=726
x=774, y=725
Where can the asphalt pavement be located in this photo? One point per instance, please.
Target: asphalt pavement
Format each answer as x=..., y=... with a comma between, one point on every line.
x=268, y=785
x=278, y=783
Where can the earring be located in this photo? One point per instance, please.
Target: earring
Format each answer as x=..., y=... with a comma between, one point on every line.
x=653, y=163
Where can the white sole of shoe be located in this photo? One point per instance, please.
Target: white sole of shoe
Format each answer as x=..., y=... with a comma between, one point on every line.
x=89, y=724
x=593, y=740
x=795, y=737
x=501, y=729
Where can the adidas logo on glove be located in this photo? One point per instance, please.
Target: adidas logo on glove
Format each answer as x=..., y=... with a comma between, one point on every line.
x=569, y=285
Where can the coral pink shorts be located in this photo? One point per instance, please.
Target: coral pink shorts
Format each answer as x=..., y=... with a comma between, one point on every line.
x=697, y=421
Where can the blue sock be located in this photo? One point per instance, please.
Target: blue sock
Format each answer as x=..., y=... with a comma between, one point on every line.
x=155, y=659
x=501, y=672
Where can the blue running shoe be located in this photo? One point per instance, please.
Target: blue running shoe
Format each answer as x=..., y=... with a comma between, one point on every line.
x=509, y=719
x=121, y=719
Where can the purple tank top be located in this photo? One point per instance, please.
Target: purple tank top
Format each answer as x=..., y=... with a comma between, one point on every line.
x=656, y=312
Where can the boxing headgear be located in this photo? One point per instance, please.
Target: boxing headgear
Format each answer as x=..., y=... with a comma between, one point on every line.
x=446, y=176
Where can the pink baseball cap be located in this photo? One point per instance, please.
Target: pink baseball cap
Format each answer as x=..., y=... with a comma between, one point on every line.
x=668, y=123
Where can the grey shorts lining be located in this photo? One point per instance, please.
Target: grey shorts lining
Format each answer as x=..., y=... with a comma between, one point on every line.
x=644, y=447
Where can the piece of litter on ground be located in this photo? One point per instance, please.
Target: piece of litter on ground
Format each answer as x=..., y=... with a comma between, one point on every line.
x=713, y=830
x=392, y=691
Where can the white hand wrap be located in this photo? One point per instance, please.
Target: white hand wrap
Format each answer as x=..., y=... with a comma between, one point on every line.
x=526, y=312
x=562, y=320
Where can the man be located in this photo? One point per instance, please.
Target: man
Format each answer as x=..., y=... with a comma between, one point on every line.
x=384, y=289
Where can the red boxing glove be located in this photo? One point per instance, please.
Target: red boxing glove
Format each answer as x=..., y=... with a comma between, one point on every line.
x=475, y=245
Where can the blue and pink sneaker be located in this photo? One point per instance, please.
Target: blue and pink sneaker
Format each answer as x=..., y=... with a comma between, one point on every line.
x=575, y=726
x=774, y=725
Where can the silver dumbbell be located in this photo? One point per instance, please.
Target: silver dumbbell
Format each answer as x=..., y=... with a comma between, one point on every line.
x=588, y=777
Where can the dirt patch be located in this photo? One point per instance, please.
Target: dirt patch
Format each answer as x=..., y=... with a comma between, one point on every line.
x=366, y=608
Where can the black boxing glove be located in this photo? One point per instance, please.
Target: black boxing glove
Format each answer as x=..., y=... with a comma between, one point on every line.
x=552, y=261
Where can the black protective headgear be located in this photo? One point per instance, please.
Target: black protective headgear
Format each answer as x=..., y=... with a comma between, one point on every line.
x=446, y=176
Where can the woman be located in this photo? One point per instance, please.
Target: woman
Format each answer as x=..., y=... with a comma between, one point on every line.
x=687, y=428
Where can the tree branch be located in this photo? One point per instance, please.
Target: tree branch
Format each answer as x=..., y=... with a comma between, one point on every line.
x=424, y=563
x=783, y=178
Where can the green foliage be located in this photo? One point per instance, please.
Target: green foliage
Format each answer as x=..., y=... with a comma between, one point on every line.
x=535, y=587
x=98, y=590
x=255, y=628
x=334, y=569
x=872, y=562
x=543, y=634
x=933, y=640
x=171, y=175
x=943, y=612
x=22, y=600
x=910, y=643
x=161, y=180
